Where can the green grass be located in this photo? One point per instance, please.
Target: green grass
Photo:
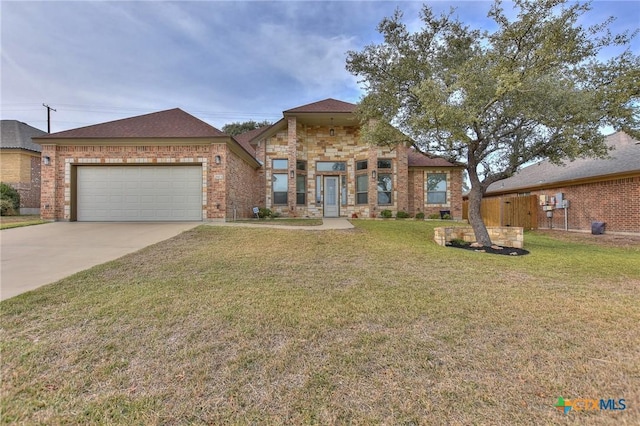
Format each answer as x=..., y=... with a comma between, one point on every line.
x=282, y=221
x=8, y=222
x=375, y=325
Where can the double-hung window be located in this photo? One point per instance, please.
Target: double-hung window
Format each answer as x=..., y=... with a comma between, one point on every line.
x=436, y=188
x=385, y=182
x=301, y=182
x=362, y=182
x=280, y=181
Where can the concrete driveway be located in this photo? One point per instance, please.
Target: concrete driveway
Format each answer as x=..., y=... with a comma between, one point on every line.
x=33, y=256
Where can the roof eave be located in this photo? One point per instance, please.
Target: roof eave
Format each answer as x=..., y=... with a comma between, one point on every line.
x=569, y=182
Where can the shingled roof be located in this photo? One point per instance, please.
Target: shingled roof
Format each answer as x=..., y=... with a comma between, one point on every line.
x=172, y=123
x=327, y=105
x=417, y=159
x=625, y=158
x=17, y=135
x=245, y=138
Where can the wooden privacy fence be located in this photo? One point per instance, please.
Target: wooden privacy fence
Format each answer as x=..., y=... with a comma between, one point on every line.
x=507, y=211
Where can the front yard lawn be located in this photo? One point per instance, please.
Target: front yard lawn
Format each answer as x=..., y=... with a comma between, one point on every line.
x=8, y=222
x=282, y=221
x=374, y=325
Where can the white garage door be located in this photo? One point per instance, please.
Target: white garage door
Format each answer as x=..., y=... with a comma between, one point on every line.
x=139, y=193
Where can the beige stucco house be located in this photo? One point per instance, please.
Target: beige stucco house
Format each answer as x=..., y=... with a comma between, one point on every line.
x=172, y=166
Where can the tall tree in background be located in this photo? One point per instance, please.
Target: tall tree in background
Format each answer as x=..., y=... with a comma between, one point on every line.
x=534, y=88
x=238, y=128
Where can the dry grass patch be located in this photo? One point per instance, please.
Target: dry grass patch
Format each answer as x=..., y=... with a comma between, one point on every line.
x=373, y=325
x=7, y=222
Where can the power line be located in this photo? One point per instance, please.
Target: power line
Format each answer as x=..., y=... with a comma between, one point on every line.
x=48, y=117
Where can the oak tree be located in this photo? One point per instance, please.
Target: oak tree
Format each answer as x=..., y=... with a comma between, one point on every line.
x=536, y=87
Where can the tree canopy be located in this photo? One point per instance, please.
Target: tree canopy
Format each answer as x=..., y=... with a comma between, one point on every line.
x=534, y=88
x=238, y=128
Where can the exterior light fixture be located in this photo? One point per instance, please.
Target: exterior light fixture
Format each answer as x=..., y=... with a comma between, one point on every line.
x=292, y=174
x=217, y=159
x=331, y=131
x=46, y=160
x=373, y=174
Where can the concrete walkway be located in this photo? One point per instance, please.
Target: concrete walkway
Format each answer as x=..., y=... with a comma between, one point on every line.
x=33, y=256
x=327, y=223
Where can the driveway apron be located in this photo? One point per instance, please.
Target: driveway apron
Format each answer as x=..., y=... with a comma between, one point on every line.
x=33, y=256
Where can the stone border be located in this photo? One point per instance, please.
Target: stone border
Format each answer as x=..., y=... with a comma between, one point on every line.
x=505, y=236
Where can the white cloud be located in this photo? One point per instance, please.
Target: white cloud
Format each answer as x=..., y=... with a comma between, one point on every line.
x=221, y=61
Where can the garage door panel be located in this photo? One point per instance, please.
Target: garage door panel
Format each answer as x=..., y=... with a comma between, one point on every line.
x=139, y=193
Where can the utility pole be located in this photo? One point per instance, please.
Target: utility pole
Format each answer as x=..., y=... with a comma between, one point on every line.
x=48, y=117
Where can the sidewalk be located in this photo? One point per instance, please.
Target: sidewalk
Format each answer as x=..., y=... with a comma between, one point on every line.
x=327, y=223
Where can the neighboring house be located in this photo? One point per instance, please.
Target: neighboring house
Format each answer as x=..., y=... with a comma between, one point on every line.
x=172, y=166
x=20, y=162
x=597, y=190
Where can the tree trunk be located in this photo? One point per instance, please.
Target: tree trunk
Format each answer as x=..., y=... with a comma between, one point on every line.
x=475, y=217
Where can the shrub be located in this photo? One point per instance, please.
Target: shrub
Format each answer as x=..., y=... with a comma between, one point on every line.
x=446, y=217
x=457, y=242
x=420, y=215
x=264, y=213
x=275, y=214
x=402, y=215
x=386, y=214
x=6, y=207
x=12, y=204
x=434, y=216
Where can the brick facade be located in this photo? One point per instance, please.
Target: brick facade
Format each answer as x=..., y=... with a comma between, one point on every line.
x=227, y=183
x=418, y=192
x=615, y=202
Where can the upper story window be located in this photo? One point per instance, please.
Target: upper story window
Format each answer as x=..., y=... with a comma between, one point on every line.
x=384, y=164
x=301, y=165
x=280, y=164
x=331, y=166
x=436, y=188
x=362, y=165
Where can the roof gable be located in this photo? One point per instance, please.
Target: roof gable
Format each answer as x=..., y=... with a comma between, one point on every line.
x=17, y=135
x=328, y=105
x=172, y=123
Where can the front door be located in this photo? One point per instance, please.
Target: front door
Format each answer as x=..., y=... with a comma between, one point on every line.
x=331, y=205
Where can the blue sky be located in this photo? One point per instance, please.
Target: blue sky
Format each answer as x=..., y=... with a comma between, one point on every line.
x=220, y=61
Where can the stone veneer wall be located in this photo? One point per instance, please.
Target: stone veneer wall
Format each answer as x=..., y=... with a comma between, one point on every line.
x=312, y=144
x=505, y=236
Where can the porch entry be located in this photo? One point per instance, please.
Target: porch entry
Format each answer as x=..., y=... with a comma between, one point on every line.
x=331, y=196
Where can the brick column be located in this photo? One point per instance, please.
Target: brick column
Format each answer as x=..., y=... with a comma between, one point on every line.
x=373, y=182
x=402, y=178
x=48, y=183
x=292, y=139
